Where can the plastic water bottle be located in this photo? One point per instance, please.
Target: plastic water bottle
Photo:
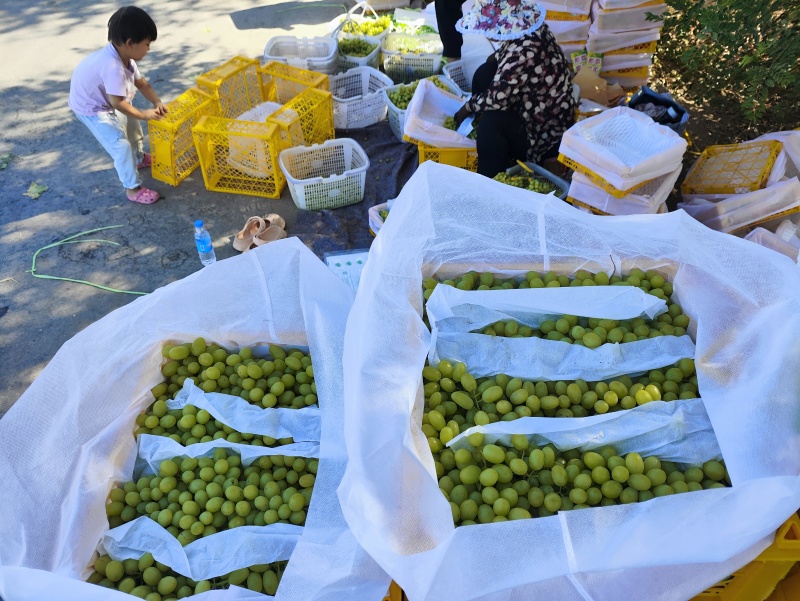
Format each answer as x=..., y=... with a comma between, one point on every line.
x=202, y=240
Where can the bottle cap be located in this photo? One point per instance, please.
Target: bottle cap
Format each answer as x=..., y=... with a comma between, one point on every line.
x=198, y=223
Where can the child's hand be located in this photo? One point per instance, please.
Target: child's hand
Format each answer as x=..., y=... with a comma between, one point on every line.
x=152, y=115
x=161, y=108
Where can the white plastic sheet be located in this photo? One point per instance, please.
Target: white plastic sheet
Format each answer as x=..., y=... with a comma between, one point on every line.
x=624, y=147
x=69, y=439
x=768, y=239
x=603, y=42
x=425, y=114
x=625, y=19
x=743, y=302
x=279, y=422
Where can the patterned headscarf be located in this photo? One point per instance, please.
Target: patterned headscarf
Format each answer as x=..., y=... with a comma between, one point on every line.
x=502, y=19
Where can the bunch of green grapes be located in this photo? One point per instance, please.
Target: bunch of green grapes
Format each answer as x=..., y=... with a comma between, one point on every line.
x=282, y=380
x=450, y=123
x=193, y=498
x=526, y=182
x=368, y=26
x=488, y=483
x=355, y=47
x=191, y=425
x=384, y=214
x=417, y=47
x=404, y=93
x=148, y=579
x=456, y=400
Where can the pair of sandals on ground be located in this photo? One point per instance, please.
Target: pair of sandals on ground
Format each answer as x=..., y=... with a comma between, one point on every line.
x=259, y=231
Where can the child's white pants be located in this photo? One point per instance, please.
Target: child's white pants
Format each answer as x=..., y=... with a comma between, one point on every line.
x=123, y=139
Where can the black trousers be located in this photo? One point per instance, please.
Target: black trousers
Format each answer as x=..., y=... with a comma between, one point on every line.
x=502, y=138
x=447, y=13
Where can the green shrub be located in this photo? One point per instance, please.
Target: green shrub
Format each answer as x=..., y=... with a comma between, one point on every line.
x=747, y=49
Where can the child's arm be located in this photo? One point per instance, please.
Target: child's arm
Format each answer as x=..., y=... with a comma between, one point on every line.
x=127, y=109
x=148, y=92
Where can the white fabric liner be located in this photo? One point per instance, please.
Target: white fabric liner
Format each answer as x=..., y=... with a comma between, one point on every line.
x=624, y=147
x=207, y=557
x=742, y=210
x=771, y=240
x=277, y=422
x=600, y=41
x=447, y=221
x=69, y=439
x=425, y=113
x=646, y=199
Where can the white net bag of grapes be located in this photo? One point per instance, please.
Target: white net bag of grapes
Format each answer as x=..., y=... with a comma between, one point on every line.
x=426, y=113
x=745, y=319
x=69, y=439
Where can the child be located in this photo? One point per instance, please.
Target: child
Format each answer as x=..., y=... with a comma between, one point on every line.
x=102, y=88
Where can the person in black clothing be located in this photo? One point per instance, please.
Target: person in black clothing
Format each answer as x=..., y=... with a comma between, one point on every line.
x=523, y=92
x=448, y=12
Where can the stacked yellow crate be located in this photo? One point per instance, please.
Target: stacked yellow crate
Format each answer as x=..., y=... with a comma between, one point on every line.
x=569, y=20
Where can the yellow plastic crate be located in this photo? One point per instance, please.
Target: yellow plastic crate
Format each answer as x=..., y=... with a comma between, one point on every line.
x=280, y=83
x=465, y=158
x=646, y=47
x=756, y=580
x=171, y=145
x=310, y=115
x=235, y=85
x=788, y=589
x=395, y=592
x=732, y=168
x=650, y=3
x=240, y=157
x=596, y=179
x=552, y=15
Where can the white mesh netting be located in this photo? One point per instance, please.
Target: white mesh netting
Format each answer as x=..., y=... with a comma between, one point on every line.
x=743, y=302
x=69, y=438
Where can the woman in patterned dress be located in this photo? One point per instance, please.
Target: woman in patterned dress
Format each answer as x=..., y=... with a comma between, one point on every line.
x=523, y=92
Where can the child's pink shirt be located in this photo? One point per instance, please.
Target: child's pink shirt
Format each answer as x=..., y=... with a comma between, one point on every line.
x=96, y=77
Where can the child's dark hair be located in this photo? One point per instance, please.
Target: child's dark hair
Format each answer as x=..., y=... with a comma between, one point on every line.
x=131, y=23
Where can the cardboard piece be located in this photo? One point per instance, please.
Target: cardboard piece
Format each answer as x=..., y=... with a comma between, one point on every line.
x=594, y=87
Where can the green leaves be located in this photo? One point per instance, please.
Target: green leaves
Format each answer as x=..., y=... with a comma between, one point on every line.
x=747, y=49
x=36, y=190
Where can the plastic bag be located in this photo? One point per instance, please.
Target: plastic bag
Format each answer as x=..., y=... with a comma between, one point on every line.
x=624, y=147
x=644, y=200
x=791, y=147
x=625, y=19
x=600, y=41
x=745, y=210
x=427, y=111
x=69, y=439
x=446, y=222
x=575, y=7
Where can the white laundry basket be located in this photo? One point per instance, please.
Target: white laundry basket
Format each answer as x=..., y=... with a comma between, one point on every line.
x=462, y=71
x=325, y=176
x=313, y=54
x=348, y=61
x=358, y=99
x=397, y=116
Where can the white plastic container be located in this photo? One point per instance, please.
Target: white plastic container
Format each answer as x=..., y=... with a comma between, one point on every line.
x=348, y=61
x=313, y=54
x=358, y=99
x=325, y=176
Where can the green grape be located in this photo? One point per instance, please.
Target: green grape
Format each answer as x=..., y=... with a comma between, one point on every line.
x=522, y=481
x=356, y=47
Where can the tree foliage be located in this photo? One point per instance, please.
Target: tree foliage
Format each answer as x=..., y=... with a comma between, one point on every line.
x=749, y=49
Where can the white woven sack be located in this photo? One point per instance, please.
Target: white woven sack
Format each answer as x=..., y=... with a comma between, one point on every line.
x=427, y=111
x=627, y=19
x=447, y=221
x=645, y=200
x=627, y=61
x=771, y=240
x=68, y=440
x=569, y=31
x=623, y=146
x=741, y=210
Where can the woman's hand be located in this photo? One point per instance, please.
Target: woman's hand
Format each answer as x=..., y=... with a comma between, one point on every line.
x=462, y=114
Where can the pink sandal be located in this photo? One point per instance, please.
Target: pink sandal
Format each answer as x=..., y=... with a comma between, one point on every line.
x=146, y=161
x=244, y=238
x=144, y=196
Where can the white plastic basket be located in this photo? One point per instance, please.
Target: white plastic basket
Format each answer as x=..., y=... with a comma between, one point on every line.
x=462, y=71
x=357, y=14
x=347, y=61
x=397, y=116
x=408, y=67
x=358, y=100
x=313, y=54
x=325, y=176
